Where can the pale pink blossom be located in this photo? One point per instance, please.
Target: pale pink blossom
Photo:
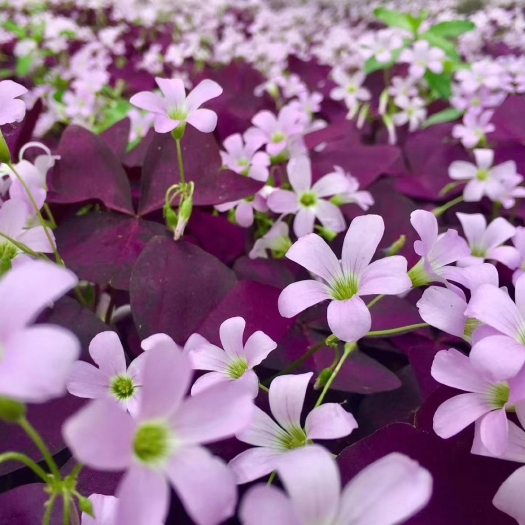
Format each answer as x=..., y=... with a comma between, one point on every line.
x=352, y=195
x=483, y=73
x=307, y=201
x=140, y=124
x=344, y=282
x=277, y=240
x=350, y=89
x=402, y=87
x=162, y=445
x=243, y=157
x=11, y=108
x=380, y=44
x=245, y=208
x=474, y=128
x=272, y=440
x=234, y=361
x=36, y=359
x=387, y=492
x=174, y=109
x=519, y=243
x=421, y=56
x=413, y=112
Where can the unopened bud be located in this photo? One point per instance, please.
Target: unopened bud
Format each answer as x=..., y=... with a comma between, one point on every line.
x=170, y=216
x=5, y=154
x=185, y=210
x=11, y=411
x=322, y=379
x=396, y=247
x=327, y=234
x=332, y=341
x=86, y=506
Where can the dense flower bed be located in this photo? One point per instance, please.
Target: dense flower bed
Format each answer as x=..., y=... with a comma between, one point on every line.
x=262, y=262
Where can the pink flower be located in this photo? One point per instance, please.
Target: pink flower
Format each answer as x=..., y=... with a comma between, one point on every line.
x=273, y=441
x=474, y=128
x=422, y=57
x=492, y=306
x=437, y=251
x=111, y=379
x=236, y=361
x=343, y=283
x=163, y=443
x=140, y=124
x=306, y=201
x=175, y=109
x=350, y=89
x=36, y=360
x=402, y=88
x=519, y=242
x=244, y=208
x=484, y=73
x=11, y=109
x=483, y=178
x=485, y=242
x=387, y=492
x=244, y=158
x=352, y=195
x=277, y=240
x=380, y=44
x=276, y=132
x=413, y=112
x=487, y=399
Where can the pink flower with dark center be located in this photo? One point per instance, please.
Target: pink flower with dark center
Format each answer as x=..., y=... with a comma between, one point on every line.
x=344, y=282
x=307, y=201
x=174, y=109
x=11, y=108
x=273, y=440
x=162, y=445
x=387, y=492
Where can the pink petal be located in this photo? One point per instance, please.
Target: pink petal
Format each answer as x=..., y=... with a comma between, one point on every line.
x=107, y=352
x=509, y=498
x=349, y=320
x=483, y=274
x=254, y=464
x=150, y=102
x=167, y=376
x=209, y=357
x=425, y=224
x=266, y=121
x=286, y=398
x=231, y=333
x=329, y=421
x=299, y=171
x=104, y=507
x=100, y=435
x=461, y=170
x=519, y=294
x=172, y=89
x=36, y=239
x=143, y=497
x=330, y=184
x=283, y=201
x=312, y=480
x=443, y=309
x=159, y=340
x=164, y=124
x=216, y=413
x=448, y=248
x=507, y=255
x=205, y=120
x=299, y=296
x=194, y=341
x=387, y=492
x=10, y=90
x=494, y=307
x=244, y=214
x=25, y=291
x=88, y=381
x=257, y=348
x=208, y=380
x=204, y=484
x=360, y=244
x=515, y=450
x=37, y=362
x=316, y=256
x=234, y=145
x=385, y=276
x=473, y=191
x=458, y=413
x=494, y=431
x=265, y=504
x=303, y=223
x=330, y=216
x=474, y=226
x=204, y=91
x=498, y=231
x=263, y=431
x=13, y=218
x=14, y=112
x=454, y=369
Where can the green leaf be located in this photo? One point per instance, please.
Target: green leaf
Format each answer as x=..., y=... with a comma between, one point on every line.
x=23, y=66
x=372, y=64
x=13, y=28
x=447, y=115
x=113, y=114
x=393, y=18
x=452, y=29
x=438, y=41
x=441, y=84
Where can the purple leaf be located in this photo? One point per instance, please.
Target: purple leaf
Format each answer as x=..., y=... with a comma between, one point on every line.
x=274, y=272
x=116, y=137
x=175, y=286
x=88, y=169
x=18, y=134
x=136, y=156
x=508, y=121
x=202, y=164
x=102, y=247
x=394, y=312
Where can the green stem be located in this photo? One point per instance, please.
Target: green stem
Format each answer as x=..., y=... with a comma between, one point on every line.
x=374, y=301
x=22, y=247
x=496, y=207
x=272, y=477
x=38, y=214
x=442, y=209
x=181, y=164
x=38, y=441
x=28, y=462
x=74, y=514
x=76, y=471
x=49, y=510
x=396, y=331
x=262, y=387
x=67, y=509
x=349, y=349
x=50, y=218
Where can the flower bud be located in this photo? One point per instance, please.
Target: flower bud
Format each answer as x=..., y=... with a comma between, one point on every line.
x=185, y=210
x=11, y=411
x=322, y=379
x=5, y=155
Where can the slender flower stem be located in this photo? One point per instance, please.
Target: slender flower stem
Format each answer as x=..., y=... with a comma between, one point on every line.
x=496, y=207
x=39, y=442
x=442, y=209
x=272, y=477
x=49, y=510
x=76, y=470
x=38, y=214
x=181, y=164
x=67, y=509
x=349, y=349
x=74, y=515
x=50, y=218
x=262, y=387
x=375, y=301
x=396, y=331
x=22, y=247
x=28, y=462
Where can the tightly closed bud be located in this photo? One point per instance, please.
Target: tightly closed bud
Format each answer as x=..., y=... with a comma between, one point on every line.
x=86, y=506
x=324, y=376
x=11, y=411
x=170, y=216
x=185, y=211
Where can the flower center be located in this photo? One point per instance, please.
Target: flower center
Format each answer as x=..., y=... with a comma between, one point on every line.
x=237, y=368
x=499, y=395
x=419, y=275
x=308, y=199
x=152, y=443
x=278, y=136
x=8, y=251
x=345, y=288
x=479, y=251
x=178, y=113
x=281, y=247
x=470, y=326
x=294, y=438
x=243, y=162
x=122, y=387
x=482, y=175
x=352, y=90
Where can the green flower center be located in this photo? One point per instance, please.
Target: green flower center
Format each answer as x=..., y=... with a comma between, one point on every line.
x=8, y=251
x=293, y=438
x=281, y=247
x=178, y=113
x=278, y=136
x=122, y=387
x=237, y=368
x=345, y=288
x=152, y=443
x=243, y=162
x=470, y=326
x=351, y=89
x=479, y=251
x=308, y=199
x=499, y=395
x=419, y=275
x=482, y=175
